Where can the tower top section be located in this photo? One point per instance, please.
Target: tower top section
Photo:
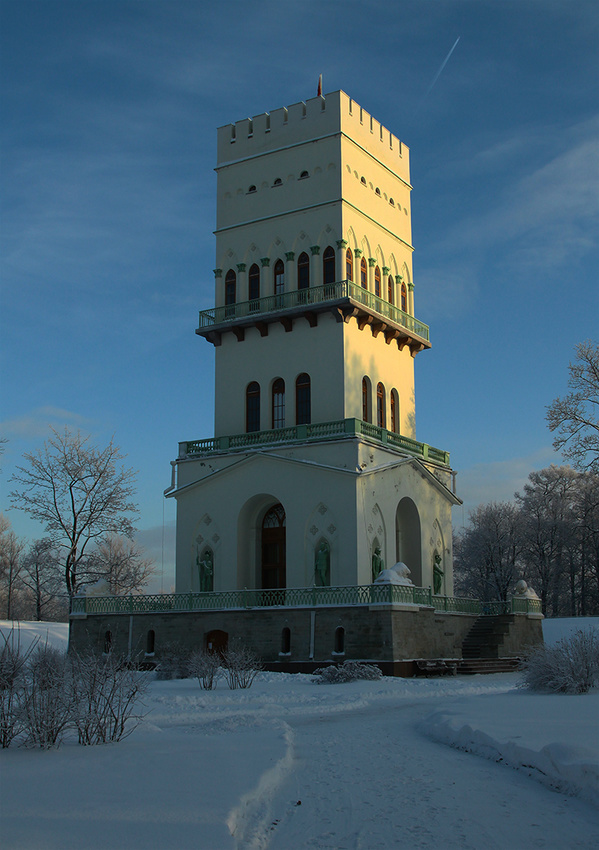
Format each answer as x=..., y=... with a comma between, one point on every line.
x=335, y=114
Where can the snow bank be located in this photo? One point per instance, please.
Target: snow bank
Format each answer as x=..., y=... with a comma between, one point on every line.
x=561, y=627
x=25, y=633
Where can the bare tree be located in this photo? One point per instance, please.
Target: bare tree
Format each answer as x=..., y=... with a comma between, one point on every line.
x=11, y=549
x=42, y=580
x=79, y=492
x=575, y=417
x=121, y=564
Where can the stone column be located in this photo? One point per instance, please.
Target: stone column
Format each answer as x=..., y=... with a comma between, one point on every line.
x=315, y=270
x=242, y=283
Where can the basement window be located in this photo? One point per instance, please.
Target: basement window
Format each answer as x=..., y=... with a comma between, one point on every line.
x=339, y=641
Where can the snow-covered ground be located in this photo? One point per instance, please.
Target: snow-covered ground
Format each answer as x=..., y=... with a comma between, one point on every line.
x=290, y=764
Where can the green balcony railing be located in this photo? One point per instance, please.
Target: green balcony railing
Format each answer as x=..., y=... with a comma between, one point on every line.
x=310, y=597
x=313, y=296
x=317, y=432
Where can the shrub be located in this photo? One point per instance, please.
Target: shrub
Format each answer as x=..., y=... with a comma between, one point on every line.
x=570, y=667
x=12, y=671
x=45, y=701
x=240, y=666
x=206, y=668
x=350, y=671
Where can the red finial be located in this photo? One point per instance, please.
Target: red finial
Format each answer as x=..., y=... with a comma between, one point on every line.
x=319, y=92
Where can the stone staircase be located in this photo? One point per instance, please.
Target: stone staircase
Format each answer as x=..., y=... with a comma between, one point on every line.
x=481, y=649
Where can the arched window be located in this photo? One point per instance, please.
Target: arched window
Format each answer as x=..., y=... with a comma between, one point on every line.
x=380, y=406
x=363, y=273
x=230, y=291
x=278, y=403
x=404, y=298
x=286, y=641
x=150, y=642
x=377, y=282
x=107, y=642
x=251, y=189
x=303, y=271
x=279, y=273
x=339, y=639
x=365, y=400
x=252, y=407
x=278, y=182
x=394, y=404
x=254, y=285
x=303, y=175
x=349, y=265
x=390, y=289
x=328, y=265
x=302, y=400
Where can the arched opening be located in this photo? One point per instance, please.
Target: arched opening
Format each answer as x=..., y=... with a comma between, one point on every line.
x=381, y=412
x=303, y=271
x=377, y=282
x=254, y=287
x=303, y=404
x=279, y=277
x=394, y=403
x=216, y=641
x=366, y=403
x=252, y=407
x=273, y=548
x=107, y=641
x=150, y=642
x=390, y=289
x=349, y=265
x=328, y=265
x=407, y=537
x=404, y=298
x=278, y=403
x=339, y=640
x=286, y=641
x=230, y=292
x=363, y=273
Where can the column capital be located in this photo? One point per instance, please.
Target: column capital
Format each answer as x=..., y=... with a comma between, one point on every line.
x=386, y=269
x=315, y=249
x=265, y=262
x=290, y=256
x=342, y=243
x=358, y=252
x=398, y=279
x=218, y=272
x=411, y=286
x=372, y=262
x=240, y=267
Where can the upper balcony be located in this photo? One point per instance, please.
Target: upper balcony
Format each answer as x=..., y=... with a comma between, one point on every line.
x=344, y=298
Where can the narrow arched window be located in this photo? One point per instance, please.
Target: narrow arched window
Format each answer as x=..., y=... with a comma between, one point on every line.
x=390, y=289
x=286, y=641
x=365, y=400
x=377, y=282
x=302, y=400
x=363, y=273
x=252, y=407
x=404, y=298
x=339, y=639
x=150, y=642
x=394, y=404
x=380, y=406
x=278, y=403
x=254, y=285
x=303, y=271
x=230, y=287
x=107, y=642
x=328, y=265
x=279, y=273
x=349, y=265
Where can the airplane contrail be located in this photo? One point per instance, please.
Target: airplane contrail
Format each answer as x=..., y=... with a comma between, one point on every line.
x=445, y=61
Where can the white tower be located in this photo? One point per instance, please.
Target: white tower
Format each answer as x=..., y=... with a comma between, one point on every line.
x=314, y=474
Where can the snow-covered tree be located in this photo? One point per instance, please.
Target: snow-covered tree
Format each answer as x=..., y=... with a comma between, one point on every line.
x=122, y=565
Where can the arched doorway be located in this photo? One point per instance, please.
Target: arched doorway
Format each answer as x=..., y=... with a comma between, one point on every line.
x=273, y=548
x=407, y=535
x=216, y=641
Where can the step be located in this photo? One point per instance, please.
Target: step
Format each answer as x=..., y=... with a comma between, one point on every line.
x=469, y=667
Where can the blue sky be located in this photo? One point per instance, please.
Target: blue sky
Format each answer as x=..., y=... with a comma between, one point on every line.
x=108, y=142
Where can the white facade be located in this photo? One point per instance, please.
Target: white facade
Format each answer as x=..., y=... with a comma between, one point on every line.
x=315, y=339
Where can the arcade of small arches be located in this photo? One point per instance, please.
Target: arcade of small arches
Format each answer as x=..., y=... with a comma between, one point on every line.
x=370, y=274
x=268, y=525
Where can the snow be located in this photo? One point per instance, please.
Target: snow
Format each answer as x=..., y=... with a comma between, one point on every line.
x=289, y=764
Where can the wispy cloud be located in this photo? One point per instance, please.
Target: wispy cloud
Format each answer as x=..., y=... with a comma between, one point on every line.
x=37, y=423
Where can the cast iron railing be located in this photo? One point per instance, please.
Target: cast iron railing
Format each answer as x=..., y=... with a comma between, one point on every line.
x=296, y=597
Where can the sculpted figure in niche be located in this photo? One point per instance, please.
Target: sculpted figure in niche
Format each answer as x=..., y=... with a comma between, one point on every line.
x=437, y=574
x=322, y=565
x=206, y=567
x=377, y=563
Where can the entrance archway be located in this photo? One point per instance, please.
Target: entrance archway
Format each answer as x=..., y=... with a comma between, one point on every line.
x=407, y=535
x=273, y=548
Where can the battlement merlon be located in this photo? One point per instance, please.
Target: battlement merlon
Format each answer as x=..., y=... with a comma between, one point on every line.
x=307, y=121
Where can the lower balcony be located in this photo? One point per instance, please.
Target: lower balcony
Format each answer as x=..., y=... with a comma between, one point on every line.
x=342, y=428
x=344, y=298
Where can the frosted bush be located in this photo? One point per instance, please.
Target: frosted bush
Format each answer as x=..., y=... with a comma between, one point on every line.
x=570, y=667
x=12, y=671
x=240, y=667
x=206, y=668
x=45, y=700
x=350, y=671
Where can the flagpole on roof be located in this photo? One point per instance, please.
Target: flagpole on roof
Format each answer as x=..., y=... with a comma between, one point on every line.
x=319, y=90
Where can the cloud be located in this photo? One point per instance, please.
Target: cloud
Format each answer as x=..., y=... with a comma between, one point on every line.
x=37, y=423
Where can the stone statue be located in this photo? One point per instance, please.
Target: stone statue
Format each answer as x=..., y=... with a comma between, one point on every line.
x=523, y=591
x=322, y=566
x=377, y=563
x=437, y=574
x=206, y=572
